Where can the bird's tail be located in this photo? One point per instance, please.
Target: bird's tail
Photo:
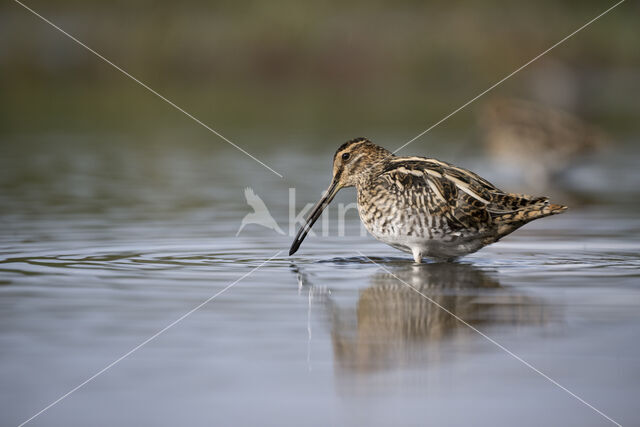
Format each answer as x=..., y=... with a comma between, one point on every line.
x=539, y=209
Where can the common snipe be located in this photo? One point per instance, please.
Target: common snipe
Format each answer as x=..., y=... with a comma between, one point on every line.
x=541, y=141
x=425, y=206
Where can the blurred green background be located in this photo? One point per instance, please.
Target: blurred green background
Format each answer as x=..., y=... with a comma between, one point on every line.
x=300, y=71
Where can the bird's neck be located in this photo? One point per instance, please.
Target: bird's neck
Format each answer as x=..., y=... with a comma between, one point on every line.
x=371, y=172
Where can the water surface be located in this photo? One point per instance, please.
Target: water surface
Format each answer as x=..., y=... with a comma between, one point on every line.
x=105, y=244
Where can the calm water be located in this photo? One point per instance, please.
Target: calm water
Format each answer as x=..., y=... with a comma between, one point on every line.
x=104, y=244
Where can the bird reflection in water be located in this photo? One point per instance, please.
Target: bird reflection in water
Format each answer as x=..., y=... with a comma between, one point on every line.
x=393, y=326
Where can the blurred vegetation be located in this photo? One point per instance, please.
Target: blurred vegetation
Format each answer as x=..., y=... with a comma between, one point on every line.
x=293, y=69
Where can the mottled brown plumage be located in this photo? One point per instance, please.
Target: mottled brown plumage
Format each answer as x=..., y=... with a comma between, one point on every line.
x=425, y=206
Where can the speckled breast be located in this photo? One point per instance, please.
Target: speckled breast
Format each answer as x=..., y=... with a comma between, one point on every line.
x=389, y=215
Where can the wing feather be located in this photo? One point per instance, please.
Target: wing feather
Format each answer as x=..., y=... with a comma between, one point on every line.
x=459, y=195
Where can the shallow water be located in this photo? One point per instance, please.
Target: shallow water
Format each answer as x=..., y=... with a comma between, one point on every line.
x=104, y=245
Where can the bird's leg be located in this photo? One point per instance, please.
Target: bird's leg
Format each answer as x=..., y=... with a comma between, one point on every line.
x=417, y=255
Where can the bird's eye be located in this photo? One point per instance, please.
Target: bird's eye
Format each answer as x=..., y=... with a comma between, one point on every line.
x=346, y=156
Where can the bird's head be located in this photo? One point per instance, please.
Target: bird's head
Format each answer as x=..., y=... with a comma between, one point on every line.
x=353, y=161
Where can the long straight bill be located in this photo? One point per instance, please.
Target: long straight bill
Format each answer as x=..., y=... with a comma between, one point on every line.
x=315, y=214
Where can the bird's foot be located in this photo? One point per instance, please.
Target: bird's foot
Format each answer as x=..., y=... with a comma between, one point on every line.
x=417, y=255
